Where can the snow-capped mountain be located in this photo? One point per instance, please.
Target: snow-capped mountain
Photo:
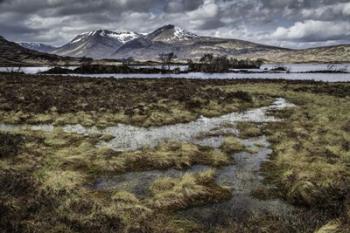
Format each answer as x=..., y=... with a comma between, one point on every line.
x=96, y=44
x=41, y=47
x=185, y=45
x=171, y=33
x=122, y=37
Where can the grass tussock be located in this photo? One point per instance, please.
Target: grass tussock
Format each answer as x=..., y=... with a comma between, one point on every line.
x=189, y=190
x=249, y=130
x=50, y=198
x=173, y=154
x=232, y=145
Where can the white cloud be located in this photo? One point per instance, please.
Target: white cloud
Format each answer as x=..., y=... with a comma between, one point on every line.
x=346, y=9
x=327, y=12
x=313, y=30
x=209, y=9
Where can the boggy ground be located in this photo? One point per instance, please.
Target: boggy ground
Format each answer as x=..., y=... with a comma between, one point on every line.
x=103, y=102
x=45, y=178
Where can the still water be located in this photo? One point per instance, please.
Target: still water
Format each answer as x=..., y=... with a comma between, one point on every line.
x=295, y=73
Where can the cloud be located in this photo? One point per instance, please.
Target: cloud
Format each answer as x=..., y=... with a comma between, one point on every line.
x=182, y=5
x=209, y=9
x=329, y=12
x=312, y=31
x=294, y=23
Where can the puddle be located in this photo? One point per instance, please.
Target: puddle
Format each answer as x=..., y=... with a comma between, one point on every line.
x=139, y=182
x=242, y=178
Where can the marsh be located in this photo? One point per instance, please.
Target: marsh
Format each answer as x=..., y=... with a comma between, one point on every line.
x=173, y=155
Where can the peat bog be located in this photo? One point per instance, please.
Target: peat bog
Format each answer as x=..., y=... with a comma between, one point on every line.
x=300, y=162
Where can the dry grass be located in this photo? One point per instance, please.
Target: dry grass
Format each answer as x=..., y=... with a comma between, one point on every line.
x=189, y=190
x=173, y=154
x=232, y=145
x=249, y=130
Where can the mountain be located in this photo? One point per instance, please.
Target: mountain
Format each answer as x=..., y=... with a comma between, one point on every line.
x=96, y=44
x=38, y=47
x=12, y=54
x=171, y=33
x=186, y=45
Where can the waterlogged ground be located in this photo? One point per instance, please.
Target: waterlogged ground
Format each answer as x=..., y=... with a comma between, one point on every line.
x=242, y=178
x=128, y=137
x=155, y=156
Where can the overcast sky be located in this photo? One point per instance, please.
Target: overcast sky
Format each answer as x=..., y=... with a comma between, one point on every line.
x=288, y=23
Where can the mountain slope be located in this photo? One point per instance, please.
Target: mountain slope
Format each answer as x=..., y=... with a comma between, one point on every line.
x=337, y=53
x=96, y=44
x=186, y=45
x=38, y=47
x=12, y=54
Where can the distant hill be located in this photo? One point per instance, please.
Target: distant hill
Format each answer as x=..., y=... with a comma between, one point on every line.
x=41, y=47
x=338, y=53
x=96, y=44
x=12, y=54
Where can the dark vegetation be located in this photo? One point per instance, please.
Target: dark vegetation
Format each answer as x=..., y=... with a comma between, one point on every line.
x=280, y=69
x=108, y=69
x=208, y=64
x=335, y=89
x=166, y=59
x=73, y=94
x=9, y=144
x=211, y=64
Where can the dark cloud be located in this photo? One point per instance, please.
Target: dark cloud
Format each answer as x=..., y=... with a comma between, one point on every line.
x=182, y=5
x=296, y=23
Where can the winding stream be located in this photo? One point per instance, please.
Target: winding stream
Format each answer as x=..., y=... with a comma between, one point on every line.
x=130, y=138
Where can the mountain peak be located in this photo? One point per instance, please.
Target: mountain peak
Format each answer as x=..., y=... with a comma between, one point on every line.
x=170, y=33
x=97, y=44
x=122, y=37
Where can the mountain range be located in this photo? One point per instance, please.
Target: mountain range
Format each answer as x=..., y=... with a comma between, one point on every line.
x=96, y=44
x=118, y=45
x=105, y=44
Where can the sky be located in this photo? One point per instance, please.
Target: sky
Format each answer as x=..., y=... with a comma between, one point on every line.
x=286, y=23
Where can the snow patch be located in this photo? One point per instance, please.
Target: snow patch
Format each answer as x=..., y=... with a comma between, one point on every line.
x=122, y=37
x=181, y=34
